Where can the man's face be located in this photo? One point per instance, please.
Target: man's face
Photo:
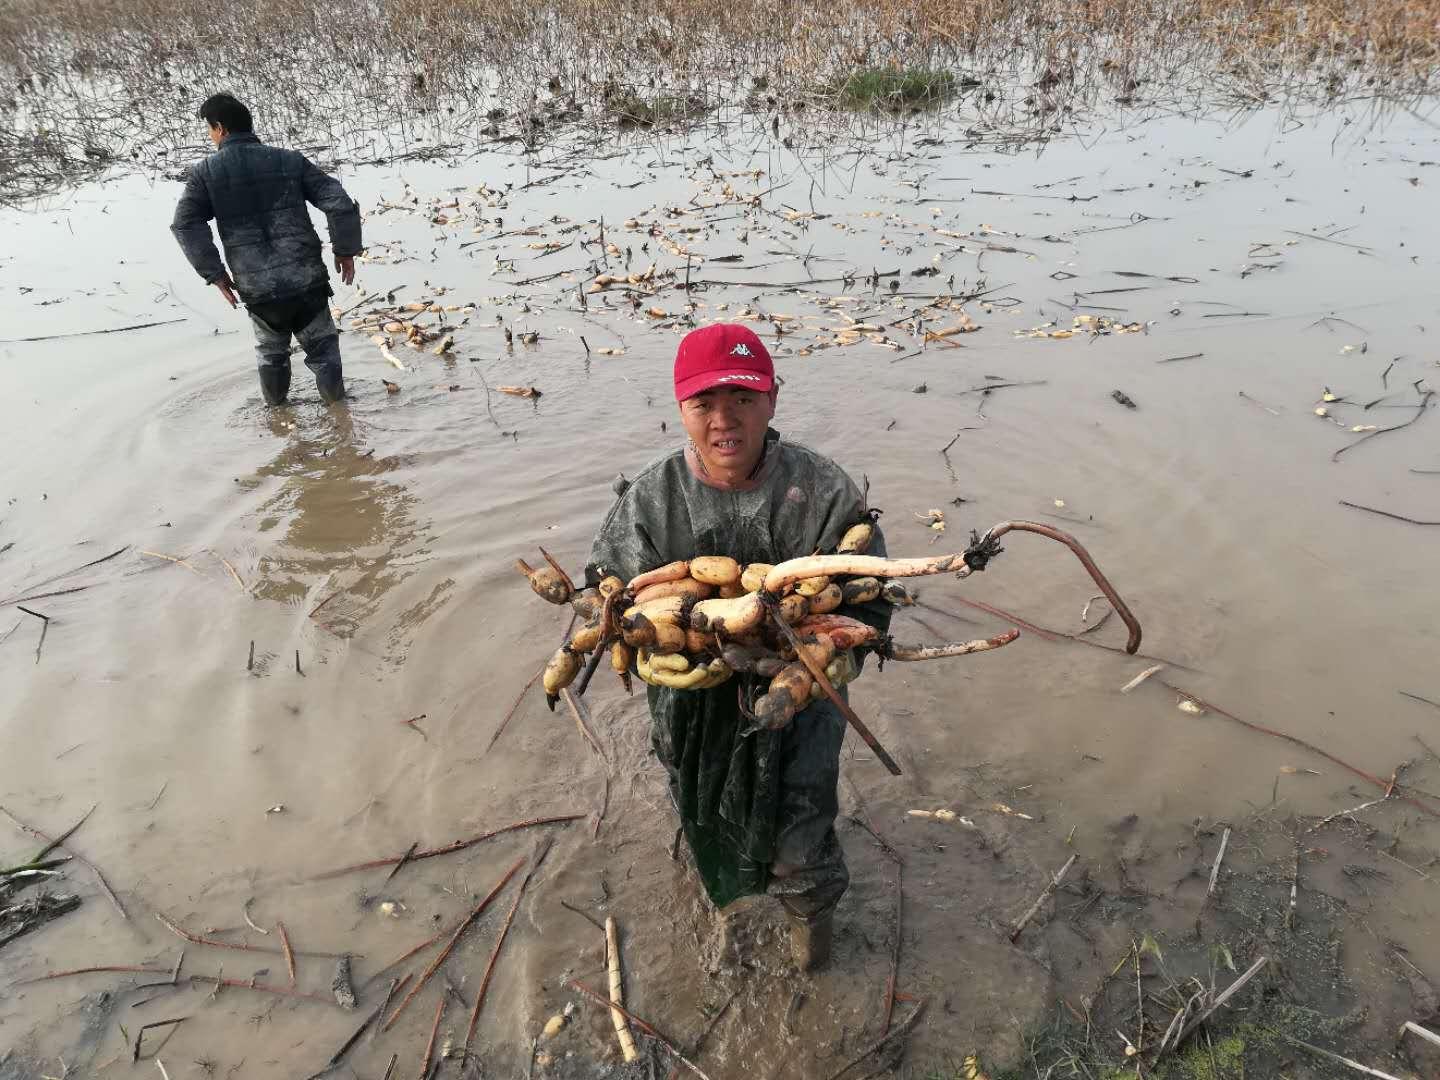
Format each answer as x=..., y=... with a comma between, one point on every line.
x=727, y=425
x=217, y=133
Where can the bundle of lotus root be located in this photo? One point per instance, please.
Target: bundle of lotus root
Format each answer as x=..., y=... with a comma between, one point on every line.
x=691, y=624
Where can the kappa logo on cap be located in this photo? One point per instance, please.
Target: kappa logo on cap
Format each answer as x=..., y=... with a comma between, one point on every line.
x=741, y=350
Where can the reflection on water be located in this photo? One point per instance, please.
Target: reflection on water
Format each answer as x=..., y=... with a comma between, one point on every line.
x=343, y=531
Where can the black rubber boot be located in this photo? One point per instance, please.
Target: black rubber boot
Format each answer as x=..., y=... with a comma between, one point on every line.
x=810, y=940
x=330, y=383
x=275, y=383
x=322, y=356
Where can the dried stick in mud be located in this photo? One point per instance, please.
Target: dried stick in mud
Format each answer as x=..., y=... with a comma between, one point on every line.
x=173, y=559
x=128, y=969
x=289, y=952
x=262, y=988
x=1387, y=513
x=1219, y=855
x=1049, y=889
x=500, y=730
x=44, y=627
x=104, y=885
x=236, y=946
x=1205, y=1014
x=139, y=1035
x=346, y=1046
x=504, y=723
x=434, y=1034
x=448, y=849
x=883, y=1041
x=540, y=853
x=92, y=333
x=641, y=1024
x=1419, y=412
x=1349, y=1063
x=57, y=577
x=407, y=954
x=450, y=945
x=617, y=992
x=1297, y=741
x=581, y=712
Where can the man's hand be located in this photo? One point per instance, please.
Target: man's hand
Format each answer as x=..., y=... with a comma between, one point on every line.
x=227, y=290
x=345, y=267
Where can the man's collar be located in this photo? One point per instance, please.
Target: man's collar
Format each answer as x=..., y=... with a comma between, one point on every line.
x=237, y=137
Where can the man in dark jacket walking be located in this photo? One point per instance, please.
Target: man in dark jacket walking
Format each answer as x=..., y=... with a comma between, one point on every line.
x=257, y=196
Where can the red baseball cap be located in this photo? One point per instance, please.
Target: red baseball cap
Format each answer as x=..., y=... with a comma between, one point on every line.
x=725, y=354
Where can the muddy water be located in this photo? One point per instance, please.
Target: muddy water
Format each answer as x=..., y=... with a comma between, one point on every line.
x=1214, y=505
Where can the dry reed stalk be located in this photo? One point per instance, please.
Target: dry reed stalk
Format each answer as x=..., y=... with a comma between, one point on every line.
x=1296, y=741
x=104, y=885
x=1050, y=887
x=228, y=567
x=641, y=1024
x=289, y=952
x=251, y=984
x=125, y=968
x=1219, y=855
x=174, y=559
x=448, y=849
x=450, y=945
x=236, y=946
x=434, y=1034
x=540, y=853
x=581, y=712
x=617, y=992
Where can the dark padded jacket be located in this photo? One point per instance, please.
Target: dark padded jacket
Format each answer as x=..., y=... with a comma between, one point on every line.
x=257, y=196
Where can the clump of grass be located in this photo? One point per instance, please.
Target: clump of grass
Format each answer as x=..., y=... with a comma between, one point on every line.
x=1219, y=1060
x=631, y=109
x=895, y=88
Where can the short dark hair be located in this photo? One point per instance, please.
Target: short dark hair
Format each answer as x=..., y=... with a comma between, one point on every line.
x=227, y=111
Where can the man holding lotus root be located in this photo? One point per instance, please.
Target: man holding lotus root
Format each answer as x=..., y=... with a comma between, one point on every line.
x=757, y=804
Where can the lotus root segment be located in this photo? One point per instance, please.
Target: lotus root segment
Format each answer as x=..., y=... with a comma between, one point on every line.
x=811, y=586
x=844, y=632
x=586, y=638
x=860, y=590
x=826, y=600
x=794, y=570
x=717, y=570
x=730, y=617
x=754, y=576
x=680, y=587
x=549, y=584
x=669, y=572
x=789, y=693
x=856, y=540
x=560, y=672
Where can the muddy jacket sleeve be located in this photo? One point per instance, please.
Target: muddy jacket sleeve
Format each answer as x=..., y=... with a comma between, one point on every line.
x=342, y=213
x=192, y=229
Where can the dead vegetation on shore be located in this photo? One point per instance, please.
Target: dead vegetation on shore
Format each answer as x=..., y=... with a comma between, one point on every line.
x=91, y=83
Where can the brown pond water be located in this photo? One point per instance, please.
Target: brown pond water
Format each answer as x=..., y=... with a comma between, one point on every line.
x=1214, y=506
